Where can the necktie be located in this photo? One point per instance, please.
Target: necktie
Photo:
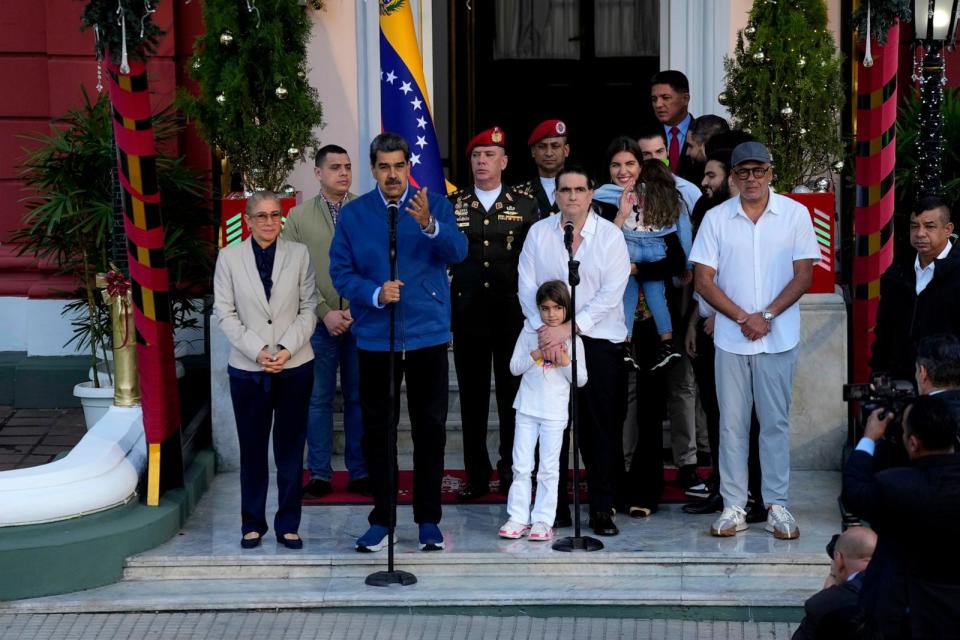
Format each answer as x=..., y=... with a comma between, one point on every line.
x=674, y=148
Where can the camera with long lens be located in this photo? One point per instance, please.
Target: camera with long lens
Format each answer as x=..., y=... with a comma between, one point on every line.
x=882, y=392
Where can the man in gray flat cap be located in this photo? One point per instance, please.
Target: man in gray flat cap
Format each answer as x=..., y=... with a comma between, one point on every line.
x=754, y=257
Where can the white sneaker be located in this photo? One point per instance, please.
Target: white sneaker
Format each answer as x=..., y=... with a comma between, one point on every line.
x=541, y=532
x=781, y=523
x=731, y=520
x=512, y=529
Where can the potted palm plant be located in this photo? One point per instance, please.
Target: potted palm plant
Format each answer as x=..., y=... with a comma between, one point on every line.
x=70, y=223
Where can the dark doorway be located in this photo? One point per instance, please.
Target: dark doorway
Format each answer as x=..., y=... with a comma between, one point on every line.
x=515, y=63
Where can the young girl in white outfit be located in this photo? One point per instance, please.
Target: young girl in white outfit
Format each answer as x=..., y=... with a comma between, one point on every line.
x=541, y=406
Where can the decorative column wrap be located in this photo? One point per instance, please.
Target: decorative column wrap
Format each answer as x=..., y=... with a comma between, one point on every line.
x=133, y=131
x=876, y=159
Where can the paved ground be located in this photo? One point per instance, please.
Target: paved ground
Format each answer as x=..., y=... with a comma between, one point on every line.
x=30, y=437
x=367, y=626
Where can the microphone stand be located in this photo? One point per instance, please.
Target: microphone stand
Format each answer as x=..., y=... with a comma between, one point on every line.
x=576, y=542
x=391, y=575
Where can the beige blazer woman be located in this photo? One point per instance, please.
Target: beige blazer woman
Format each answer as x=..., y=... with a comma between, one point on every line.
x=252, y=324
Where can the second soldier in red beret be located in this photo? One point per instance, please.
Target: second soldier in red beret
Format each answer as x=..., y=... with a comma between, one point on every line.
x=486, y=315
x=549, y=149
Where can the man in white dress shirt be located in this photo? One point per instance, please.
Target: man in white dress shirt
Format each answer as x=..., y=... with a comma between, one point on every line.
x=604, y=268
x=754, y=257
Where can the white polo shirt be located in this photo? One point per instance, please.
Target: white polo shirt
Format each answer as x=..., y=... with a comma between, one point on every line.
x=754, y=262
x=604, y=269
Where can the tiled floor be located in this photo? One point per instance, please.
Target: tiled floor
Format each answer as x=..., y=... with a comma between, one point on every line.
x=31, y=437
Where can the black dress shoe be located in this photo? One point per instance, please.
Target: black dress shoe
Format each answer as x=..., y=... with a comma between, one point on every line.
x=563, y=518
x=251, y=543
x=711, y=504
x=317, y=488
x=290, y=543
x=603, y=525
x=471, y=492
x=363, y=486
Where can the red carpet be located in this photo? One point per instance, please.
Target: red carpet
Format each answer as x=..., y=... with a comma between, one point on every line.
x=454, y=478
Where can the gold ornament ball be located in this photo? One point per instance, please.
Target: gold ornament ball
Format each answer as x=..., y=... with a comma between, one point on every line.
x=226, y=38
x=221, y=99
x=301, y=74
x=282, y=92
x=293, y=153
x=787, y=111
x=758, y=56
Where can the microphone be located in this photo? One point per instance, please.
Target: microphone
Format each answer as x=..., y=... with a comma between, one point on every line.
x=568, y=235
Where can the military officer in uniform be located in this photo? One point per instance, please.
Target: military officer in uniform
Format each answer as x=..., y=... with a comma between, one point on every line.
x=549, y=148
x=486, y=315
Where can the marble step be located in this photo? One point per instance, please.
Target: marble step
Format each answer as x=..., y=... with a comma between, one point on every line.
x=543, y=562
x=435, y=592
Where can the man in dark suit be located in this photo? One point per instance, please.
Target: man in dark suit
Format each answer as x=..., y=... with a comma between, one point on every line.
x=549, y=149
x=486, y=318
x=911, y=588
x=919, y=293
x=938, y=370
x=670, y=97
x=832, y=612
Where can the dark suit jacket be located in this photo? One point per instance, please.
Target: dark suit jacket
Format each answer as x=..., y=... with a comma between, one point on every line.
x=912, y=585
x=831, y=613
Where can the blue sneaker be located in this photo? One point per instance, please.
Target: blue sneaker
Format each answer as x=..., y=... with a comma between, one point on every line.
x=374, y=539
x=430, y=537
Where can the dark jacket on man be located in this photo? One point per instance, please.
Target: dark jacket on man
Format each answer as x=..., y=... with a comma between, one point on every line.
x=911, y=587
x=903, y=317
x=831, y=613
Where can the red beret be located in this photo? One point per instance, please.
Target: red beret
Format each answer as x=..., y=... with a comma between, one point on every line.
x=490, y=138
x=547, y=129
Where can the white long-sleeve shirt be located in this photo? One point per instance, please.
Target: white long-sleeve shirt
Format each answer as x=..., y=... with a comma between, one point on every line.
x=544, y=390
x=604, y=271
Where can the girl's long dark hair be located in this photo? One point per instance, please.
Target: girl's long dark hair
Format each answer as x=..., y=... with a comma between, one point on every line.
x=662, y=200
x=556, y=291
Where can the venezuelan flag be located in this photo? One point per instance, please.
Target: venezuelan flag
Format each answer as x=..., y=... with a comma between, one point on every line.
x=404, y=103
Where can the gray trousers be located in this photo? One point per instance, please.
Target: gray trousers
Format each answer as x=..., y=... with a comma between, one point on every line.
x=766, y=380
x=682, y=406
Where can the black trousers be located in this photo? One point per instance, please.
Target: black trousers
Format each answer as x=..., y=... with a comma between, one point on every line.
x=705, y=374
x=427, y=390
x=601, y=405
x=284, y=404
x=643, y=485
x=472, y=355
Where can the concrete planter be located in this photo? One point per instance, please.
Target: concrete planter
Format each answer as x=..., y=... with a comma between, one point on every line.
x=95, y=401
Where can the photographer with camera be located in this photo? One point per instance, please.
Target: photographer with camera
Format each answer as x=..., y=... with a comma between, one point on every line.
x=919, y=296
x=911, y=588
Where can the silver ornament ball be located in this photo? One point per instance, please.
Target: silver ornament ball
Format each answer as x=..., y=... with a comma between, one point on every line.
x=302, y=74
x=750, y=30
x=226, y=38
x=802, y=188
x=822, y=185
x=293, y=153
x=289, y=190
x=787, y=111
x=838, y=166
x=281, y=92
x=221, y=99
x=723, y=98
x=196, y=64
x=758, y=56
x=802, y=61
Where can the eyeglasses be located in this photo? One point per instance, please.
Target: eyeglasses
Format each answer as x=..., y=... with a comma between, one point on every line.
x=758, y=172
x=263, y=217
x=568, y=190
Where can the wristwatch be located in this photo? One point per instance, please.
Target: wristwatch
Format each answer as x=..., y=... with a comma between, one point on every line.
x=431, y=225
x=767, y=315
